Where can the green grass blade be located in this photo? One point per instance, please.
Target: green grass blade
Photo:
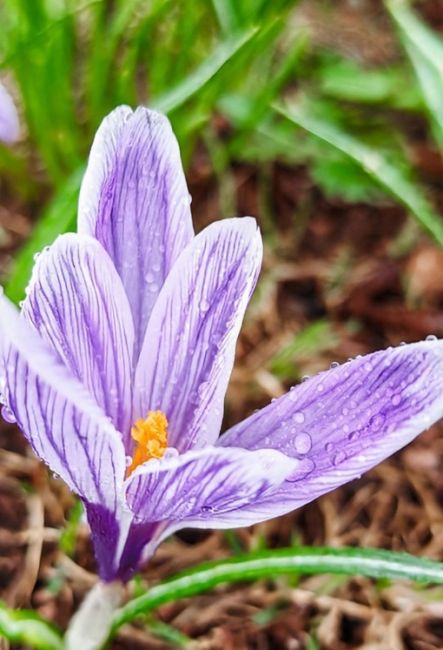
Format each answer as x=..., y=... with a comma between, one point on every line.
x=425, y=51
x=27, y=628
x=59, y=217
x=388, y=176
x=227, y=16
x=196, y=81
x=372, y=563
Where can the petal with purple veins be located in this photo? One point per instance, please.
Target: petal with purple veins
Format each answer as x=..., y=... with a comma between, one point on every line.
x=135, y=201
x=190, y=489
x=346, y=420
x=189, y=347
x=64, y=425
x=77, y=303
x=9, y=123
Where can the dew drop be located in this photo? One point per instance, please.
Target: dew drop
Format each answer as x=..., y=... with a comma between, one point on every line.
x=7, y=415
x=329, y=446
x=395, y=400
x=204, y=306
x=338, y=458
x=335, y=364
x=149, y=277
x=171, y=452
x=376, y=422
x=299, y=417
x=431, y=337
x=302, y=443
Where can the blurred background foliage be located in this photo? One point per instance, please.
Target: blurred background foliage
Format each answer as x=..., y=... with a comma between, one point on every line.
x=250, y=81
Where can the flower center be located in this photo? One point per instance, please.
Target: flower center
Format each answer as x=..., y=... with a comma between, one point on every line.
x=151, y=436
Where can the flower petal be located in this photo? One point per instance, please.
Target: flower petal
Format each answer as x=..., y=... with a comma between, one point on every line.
x=63, y=424
x=77, y=304
x=134, y=200
x=199, y=485
x=346, y=420
x=189, y=348
x=9, y=123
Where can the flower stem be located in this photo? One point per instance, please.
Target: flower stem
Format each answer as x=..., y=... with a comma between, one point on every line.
x=90, y=625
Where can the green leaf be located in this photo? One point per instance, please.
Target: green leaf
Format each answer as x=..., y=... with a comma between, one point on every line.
x=346, y=80
x=339, y=176
x=27, y=628
x=425, y=51
x=196, y=81
x=372, y=563
x=58, y=217
x=387, y=175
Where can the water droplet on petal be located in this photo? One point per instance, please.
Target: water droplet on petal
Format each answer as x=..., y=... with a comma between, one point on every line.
x=431, y=337
x=338, y=458
x=171, y=452
x=335, y=364
x=302, y=443
x=329, y=446
x=204, y=306
x=377, y=421
x=299, y=417
x=395, y=400
x=8, y=416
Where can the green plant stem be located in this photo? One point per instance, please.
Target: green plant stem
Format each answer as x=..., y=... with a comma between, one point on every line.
x=269, y=564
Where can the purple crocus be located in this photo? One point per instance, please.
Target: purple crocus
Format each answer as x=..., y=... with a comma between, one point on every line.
x=117, y=367
x=9, y=124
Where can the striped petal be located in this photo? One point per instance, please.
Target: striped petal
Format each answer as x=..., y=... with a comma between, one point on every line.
x=190, y=489
x=134, y=200
x=77, y=304
x=345, y=421
x=189, y=347
x=64, y=425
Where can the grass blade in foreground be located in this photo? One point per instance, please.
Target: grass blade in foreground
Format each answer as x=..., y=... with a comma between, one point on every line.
x=425, y=51
x=372, y=563
x=386, y=175
x=28, y=628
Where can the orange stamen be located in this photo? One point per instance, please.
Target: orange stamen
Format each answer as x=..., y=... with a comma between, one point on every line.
x=151, y=436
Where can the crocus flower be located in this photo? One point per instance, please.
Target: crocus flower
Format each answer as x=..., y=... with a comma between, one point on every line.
x=9, y=124
x=117, y=367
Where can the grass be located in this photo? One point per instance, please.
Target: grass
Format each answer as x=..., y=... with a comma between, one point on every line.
x=74, y=61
